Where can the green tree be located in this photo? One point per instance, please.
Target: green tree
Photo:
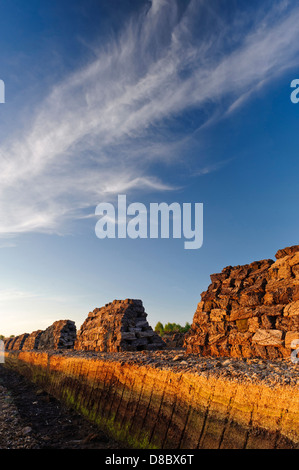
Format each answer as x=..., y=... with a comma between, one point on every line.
x=159, y=328
x=168, y=328
x=171, y=328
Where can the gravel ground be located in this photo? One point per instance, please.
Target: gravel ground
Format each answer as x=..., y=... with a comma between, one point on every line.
x=270, y=373
x=32, y=419
x=13, y=432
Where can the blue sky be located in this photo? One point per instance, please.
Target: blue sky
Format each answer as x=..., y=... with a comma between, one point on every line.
x=163, y=101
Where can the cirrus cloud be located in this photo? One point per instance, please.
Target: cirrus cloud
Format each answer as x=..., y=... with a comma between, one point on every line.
x=100, y=130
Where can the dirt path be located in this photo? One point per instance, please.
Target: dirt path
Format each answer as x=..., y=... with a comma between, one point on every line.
x=32, y=419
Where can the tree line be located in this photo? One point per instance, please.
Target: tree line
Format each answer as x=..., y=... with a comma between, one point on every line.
x=2, y=337
x=171, y=328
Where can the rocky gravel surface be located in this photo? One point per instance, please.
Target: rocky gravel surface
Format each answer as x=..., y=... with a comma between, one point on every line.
x=13, y=432
x=270, y=373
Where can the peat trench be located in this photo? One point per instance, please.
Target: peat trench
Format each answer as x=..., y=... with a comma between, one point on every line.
x=30, y=418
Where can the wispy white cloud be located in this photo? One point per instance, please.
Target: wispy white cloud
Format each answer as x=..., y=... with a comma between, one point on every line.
x=100, y=130
x=14, y=295
x=7, y=245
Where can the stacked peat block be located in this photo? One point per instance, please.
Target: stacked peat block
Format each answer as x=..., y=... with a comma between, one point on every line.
x=60, y=335
x=10, y=345
x=19, y=342
x=249, y=311
x=32, y=340
x=8, y=342
x=119, y=326
x=174, y=341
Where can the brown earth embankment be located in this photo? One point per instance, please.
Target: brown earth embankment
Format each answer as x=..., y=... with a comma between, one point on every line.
x=165, y=402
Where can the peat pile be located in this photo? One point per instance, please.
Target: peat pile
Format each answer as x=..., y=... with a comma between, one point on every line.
x=118, y=326
x=60, y=335
x=250, y=311
x=32, y=340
